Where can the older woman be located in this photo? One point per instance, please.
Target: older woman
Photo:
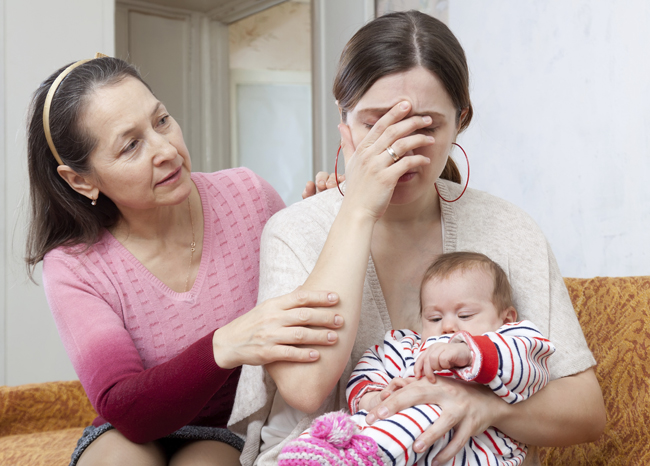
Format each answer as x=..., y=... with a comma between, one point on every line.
x=151, y=271
x=403, y=94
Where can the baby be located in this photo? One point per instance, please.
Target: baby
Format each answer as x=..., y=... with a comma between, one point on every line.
x=468, y=332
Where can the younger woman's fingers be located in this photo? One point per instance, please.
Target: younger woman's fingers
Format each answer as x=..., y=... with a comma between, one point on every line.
x=401, y=130
x=394, y=115
x=433, y=433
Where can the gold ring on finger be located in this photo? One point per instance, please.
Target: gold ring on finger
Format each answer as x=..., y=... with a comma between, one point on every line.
x=392, y=154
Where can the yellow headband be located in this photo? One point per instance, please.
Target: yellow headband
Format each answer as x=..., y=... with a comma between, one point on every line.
x=48, y=103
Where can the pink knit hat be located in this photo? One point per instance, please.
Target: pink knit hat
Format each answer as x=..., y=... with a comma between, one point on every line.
x=332, y=441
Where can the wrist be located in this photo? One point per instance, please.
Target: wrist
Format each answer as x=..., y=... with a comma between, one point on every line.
x=222, y=355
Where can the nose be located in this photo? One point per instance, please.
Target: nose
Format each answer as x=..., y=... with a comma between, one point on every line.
x=163, y=149
x=449, y=325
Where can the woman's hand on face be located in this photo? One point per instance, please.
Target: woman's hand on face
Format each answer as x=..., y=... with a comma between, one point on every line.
x=322, y=182
x=466, y=407
x=278, y=330
x=371, y=172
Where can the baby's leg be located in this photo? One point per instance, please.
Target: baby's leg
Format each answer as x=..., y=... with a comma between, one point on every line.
x=395, y=435
x=334, y=439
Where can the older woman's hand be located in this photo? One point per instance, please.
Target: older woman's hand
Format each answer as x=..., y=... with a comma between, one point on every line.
x=468, y=408
x=322, y=182
x=278, y=330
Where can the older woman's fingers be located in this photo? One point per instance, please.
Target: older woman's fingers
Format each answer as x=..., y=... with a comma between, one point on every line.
x=331, y=181
x=310, y=190
x=321, y=181
x=305, y=298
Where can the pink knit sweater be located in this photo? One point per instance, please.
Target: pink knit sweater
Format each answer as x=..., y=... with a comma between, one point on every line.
x=142, y=351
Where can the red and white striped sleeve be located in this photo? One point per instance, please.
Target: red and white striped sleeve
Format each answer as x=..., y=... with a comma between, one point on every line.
x=513, y=361
x=380, y=364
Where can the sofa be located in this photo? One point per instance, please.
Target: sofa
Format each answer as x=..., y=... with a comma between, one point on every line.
x=40, y=423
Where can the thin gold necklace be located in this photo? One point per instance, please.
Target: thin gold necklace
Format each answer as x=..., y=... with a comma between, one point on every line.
x=192, y=248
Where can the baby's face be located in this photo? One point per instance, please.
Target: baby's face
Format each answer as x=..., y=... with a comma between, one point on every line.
x=460, y=302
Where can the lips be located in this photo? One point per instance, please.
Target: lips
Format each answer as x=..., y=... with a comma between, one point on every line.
x=408, y=176
x=172, y=177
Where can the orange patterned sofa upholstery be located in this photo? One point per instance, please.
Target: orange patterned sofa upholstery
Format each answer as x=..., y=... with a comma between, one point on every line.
x=615, y=317
x=40, y=423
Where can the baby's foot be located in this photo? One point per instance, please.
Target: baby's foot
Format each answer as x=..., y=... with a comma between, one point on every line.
x=332, y=440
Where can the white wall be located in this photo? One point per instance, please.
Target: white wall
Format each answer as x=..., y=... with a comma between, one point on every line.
x=561, y=93
x=39, y=37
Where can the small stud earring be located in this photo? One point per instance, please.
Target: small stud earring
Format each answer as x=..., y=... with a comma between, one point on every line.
x=93, y=202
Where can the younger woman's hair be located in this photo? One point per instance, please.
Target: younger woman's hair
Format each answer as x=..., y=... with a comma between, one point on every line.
x=58, y=214
x=447, y=264
x=398, y=42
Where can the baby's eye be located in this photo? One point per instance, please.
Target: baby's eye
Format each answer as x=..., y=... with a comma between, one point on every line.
x=465, y=316
x=435, y=319
x=428, y=130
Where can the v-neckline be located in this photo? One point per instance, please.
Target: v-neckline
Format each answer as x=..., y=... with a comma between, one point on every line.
x=206, y=251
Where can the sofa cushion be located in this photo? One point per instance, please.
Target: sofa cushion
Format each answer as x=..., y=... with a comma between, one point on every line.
x=49, y=448
x=615, y=317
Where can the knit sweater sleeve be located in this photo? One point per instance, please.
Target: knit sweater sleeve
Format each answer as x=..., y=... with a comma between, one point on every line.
x=513, y=361
x=143, y=404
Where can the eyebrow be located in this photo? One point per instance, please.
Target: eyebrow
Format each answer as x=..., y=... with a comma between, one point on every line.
x=383, y=111
x=126, y=132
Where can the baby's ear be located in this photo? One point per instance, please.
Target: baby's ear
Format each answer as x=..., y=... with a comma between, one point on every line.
x=509, y=315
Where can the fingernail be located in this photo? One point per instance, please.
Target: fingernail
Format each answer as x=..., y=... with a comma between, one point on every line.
x=426, y=119
x=338, y=320
x=431, y=139
x=332, y=297
x=404, y=105
x=331, y=336
x=370, y=418
x=419, y=446
x=313, y=354
x=383, y=411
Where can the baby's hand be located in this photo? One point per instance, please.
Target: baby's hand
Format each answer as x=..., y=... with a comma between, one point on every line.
x=441, y=356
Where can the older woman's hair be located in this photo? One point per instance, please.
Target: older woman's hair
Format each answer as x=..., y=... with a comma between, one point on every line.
x=59, y=215
x=447, y=264
x=398, y=42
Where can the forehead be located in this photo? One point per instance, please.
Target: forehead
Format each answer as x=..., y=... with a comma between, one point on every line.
x=474, y=281
x=113, y=108
x=422, y=88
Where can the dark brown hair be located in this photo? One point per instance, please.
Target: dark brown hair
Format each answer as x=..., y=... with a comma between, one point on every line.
x=58, y=214
x=446, y=264
x=398, y=42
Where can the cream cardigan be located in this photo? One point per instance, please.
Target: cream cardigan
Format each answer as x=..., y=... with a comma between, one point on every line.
x=292, y=241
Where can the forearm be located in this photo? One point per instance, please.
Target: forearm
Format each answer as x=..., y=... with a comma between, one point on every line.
x=567, y=411
x=341, y=267
x=150, y=404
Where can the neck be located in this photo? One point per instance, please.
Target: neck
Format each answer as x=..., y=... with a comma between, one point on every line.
x=161, y=223
x=422, y=212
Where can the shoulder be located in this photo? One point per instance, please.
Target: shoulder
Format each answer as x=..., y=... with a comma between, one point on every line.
x=480, y=206
x=239, y=184
x=311, y=216
x=481, y=219
x=82, y=268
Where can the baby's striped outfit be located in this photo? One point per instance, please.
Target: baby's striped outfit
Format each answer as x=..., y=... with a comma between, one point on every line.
x=511, y=361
